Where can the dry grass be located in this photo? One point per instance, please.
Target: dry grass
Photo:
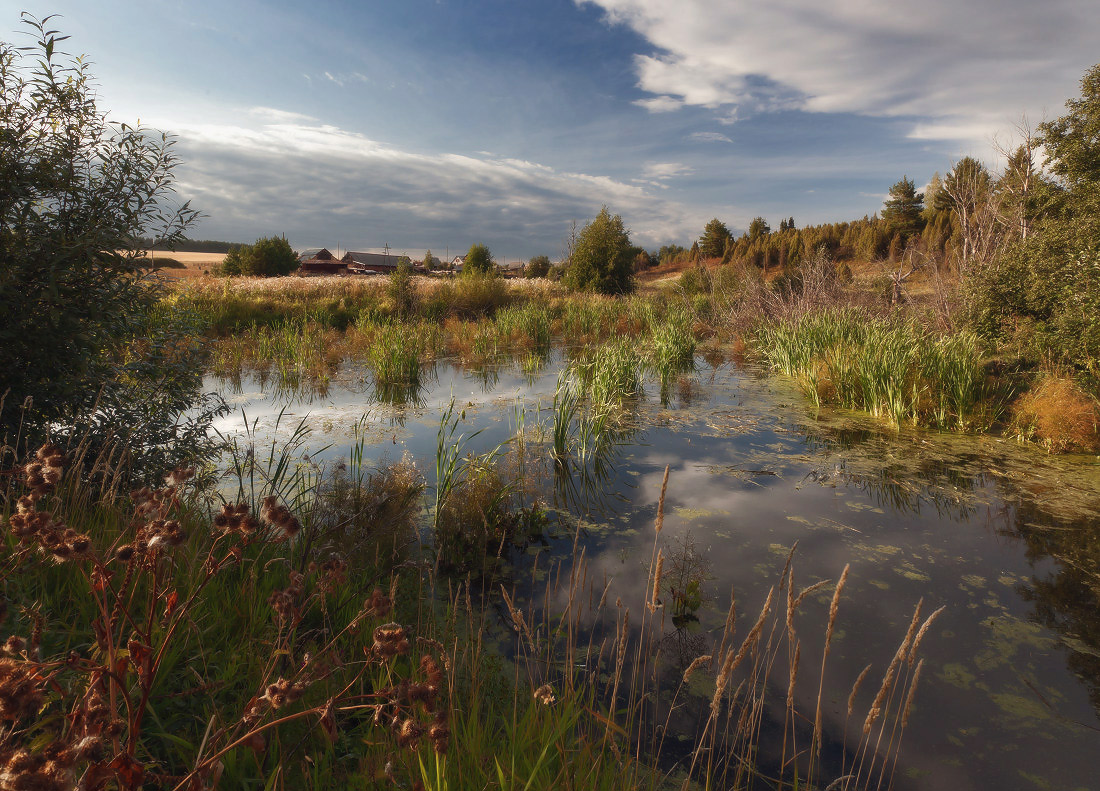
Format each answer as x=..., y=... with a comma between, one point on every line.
x=1059, y=414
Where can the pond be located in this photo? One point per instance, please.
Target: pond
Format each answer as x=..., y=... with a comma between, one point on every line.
x=1004, y=537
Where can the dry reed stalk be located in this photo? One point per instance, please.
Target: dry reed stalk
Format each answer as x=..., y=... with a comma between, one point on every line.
x=855, y=689
x=657, y=582
x=922, y=632
x=731, y=623
x=834, y=608
x=696, y=663
x=787, y=566
x=661, y=504
x=732, y=661
x=794, y=675
x=912, y=693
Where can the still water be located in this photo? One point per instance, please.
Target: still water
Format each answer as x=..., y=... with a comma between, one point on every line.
x=1003, y=536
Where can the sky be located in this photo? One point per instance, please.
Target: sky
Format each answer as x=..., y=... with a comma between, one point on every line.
x=442, y=123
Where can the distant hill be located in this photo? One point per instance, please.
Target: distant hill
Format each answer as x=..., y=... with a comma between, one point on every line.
x=192, y=246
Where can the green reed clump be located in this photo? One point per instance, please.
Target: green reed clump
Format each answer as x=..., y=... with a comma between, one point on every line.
x=891, y=368
x=395, y=355
x=673, y=344
x=527, y=326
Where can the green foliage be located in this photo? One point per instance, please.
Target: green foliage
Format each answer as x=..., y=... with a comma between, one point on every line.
x=902, y=210
x=75, y=295
x=758, y=228
x=430, y=261
x=539, y=266
x=479, y=261
x=270, y=256
x=715, y=238
x=400, y=289
x=602, y=259
x=1043, y=292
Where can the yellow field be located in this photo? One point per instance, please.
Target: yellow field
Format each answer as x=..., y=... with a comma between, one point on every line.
x=197, y=264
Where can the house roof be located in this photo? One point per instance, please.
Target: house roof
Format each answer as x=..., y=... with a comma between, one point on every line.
x=315, y=253
x=371, y=259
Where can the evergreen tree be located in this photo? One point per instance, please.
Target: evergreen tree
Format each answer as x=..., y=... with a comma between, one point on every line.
x=713, y=242
x=602, y=259
x=902, y=210
x=758, y=228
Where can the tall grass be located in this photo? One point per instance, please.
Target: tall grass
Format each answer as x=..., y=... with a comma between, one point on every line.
x=890, y=368
x=240, y=647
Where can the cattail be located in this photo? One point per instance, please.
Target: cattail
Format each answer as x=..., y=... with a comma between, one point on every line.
x=654, y=599
x=660, y=523
x=912, y=693
x=855, y=689
x=922, y=632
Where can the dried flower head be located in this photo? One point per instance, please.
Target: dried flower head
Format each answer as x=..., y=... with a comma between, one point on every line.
x=21, y=691
x=545, y=695
x=279, y=517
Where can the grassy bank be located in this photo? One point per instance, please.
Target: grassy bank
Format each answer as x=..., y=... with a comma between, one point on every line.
x=301, y=636
x=846, y=346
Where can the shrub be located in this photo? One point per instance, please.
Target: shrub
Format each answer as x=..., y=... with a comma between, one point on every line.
x=77, y=193
x=602, y=259
x=479, y=261
x=1059, y=414
x=539, y=266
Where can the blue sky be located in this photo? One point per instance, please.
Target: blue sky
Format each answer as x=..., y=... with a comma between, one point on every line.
x=439, y=123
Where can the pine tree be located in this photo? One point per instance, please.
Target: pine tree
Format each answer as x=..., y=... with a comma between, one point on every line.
x=902, y=210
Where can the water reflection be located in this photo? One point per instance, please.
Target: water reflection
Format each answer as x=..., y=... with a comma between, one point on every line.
x=1004, y=536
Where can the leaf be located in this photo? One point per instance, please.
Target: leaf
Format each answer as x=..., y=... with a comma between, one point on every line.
x=170, y=606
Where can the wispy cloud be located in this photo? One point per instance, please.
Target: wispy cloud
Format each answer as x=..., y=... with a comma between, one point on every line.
x=709, y=137
x=315, y=181
x=966, y=67
x=666, y=170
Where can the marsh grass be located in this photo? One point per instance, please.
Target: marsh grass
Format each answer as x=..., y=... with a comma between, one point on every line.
x=286, y=622
x=891, y=368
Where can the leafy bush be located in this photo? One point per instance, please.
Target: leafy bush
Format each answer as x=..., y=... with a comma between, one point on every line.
x=80, y=348
x=602, y=259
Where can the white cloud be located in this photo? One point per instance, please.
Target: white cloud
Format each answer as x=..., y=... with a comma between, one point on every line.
x=271, y=115
x=666, y=170
x=660, y=104
x=967, y=66
x=322, y=184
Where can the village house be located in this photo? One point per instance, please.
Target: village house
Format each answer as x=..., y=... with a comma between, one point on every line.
x=320, y=261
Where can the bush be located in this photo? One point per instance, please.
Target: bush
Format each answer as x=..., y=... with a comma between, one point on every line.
x=268, y=257
x=539, y=266
x=479, y=261
x=77, y=194
x=1059, y=414
x=602, y=259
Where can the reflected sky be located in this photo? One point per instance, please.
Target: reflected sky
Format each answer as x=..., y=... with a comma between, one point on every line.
x=1000, y=534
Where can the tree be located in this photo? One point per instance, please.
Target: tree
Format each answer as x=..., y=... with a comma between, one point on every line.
x=479, y=261
x=76, y=192
x=715, y=237
x=902, y=210
x=758, y=228
x=430, y=261
x=1072, y=142
x=602, y=258
x=539, y=266
x=967, y=191
x=268, y=257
